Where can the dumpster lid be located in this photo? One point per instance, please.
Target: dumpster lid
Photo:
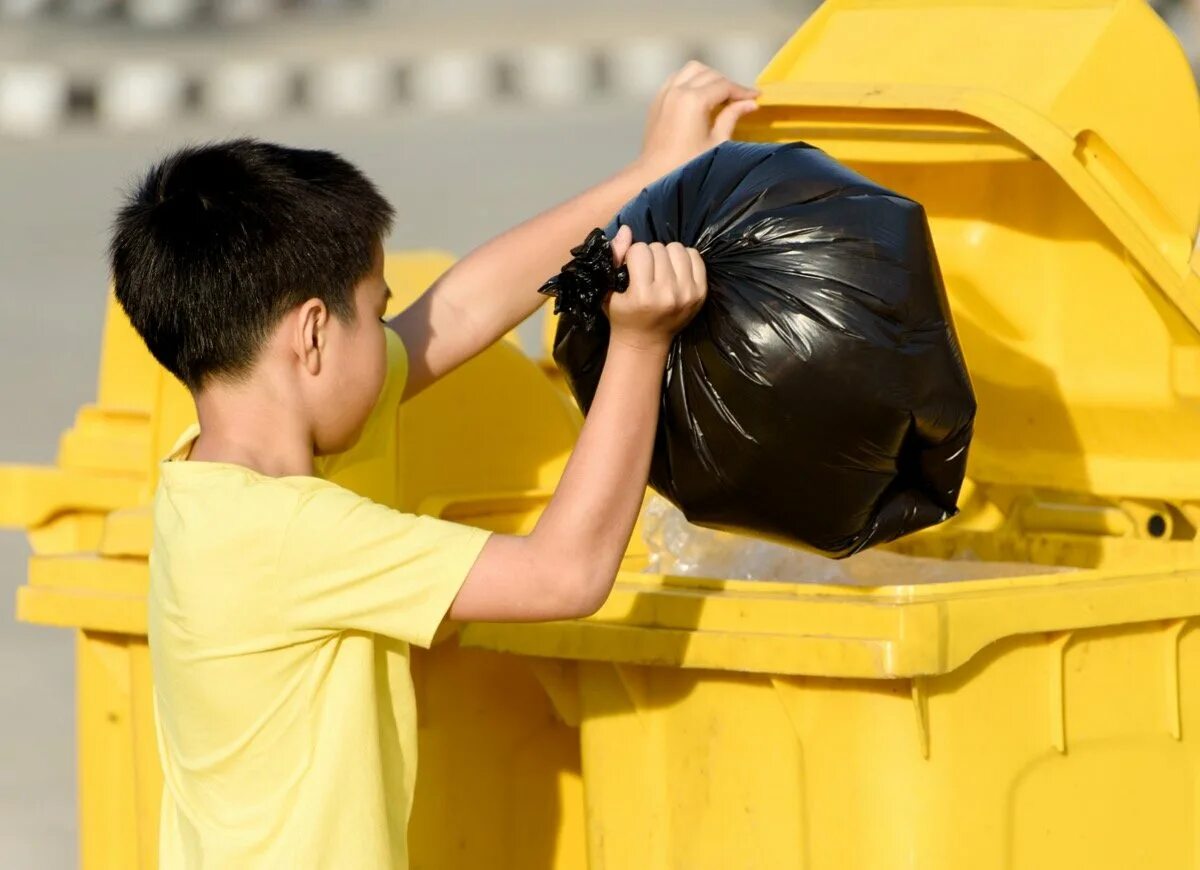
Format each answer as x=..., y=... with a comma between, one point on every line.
x=809, y=630
x=1053, y=146
x=1053, y=76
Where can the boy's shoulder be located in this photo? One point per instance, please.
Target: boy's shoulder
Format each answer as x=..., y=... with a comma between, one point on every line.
x=227, y=491
x=223, y=531
x=219, y=500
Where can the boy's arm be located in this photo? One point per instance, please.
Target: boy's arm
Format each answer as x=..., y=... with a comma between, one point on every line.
x=494, y=288
x=565, y=568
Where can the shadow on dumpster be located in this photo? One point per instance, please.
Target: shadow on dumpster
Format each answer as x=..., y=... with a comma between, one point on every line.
x=1021, y=408
x=498, y=782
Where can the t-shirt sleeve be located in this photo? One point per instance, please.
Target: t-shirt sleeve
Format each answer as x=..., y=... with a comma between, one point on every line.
x=397, y=374
x=348, y=563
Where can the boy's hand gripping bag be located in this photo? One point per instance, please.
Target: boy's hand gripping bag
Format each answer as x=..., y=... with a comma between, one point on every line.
x=820, y=397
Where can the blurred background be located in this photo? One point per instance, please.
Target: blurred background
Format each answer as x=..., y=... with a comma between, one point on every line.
x=470, y=115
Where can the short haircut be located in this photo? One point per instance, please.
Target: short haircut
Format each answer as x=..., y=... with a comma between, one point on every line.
x=219, y=241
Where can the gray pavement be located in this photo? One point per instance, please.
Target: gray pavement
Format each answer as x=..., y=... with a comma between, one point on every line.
x=454, y=182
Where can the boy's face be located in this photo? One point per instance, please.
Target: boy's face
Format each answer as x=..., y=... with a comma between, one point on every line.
x=354, y=365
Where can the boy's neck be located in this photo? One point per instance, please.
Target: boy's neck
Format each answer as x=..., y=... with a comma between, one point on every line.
x=255, y=427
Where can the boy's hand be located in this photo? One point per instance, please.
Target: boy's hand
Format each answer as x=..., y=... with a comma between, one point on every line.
x=494, y=289
x=667, y=286
x=694, y=111
x=565, y=568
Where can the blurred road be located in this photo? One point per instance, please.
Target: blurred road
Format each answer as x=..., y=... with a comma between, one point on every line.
x=455, y=181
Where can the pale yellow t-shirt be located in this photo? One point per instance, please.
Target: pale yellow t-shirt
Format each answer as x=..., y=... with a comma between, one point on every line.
x=280, y=614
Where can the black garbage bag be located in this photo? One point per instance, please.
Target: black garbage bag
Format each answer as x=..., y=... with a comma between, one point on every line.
x=820, y=397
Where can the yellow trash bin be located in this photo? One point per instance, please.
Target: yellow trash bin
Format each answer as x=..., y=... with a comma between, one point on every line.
x=500, y=784
x=1036, y=722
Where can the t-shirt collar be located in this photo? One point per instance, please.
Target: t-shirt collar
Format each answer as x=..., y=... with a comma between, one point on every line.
x=183, y=447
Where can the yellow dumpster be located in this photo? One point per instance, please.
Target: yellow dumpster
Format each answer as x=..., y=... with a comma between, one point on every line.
x=493, y=749
x=1031, y=722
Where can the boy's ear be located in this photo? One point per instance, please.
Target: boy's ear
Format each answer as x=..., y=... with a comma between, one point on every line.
x=311, y=322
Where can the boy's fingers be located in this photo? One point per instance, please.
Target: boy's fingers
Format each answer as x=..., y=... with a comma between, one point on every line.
x=641, y=265
x=690, y=70
x=663, y=269
x=704, y=79
x=681, y=263
x=741, y=92
x=727, y=119
x=722, y=90
x=659, y=251
x=620, y=244
x=699, y=274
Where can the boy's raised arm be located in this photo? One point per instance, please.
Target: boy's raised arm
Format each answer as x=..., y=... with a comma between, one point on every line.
x=566, y=567
x=494, y=288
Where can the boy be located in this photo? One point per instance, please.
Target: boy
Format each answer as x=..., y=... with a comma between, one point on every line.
x=281, y=605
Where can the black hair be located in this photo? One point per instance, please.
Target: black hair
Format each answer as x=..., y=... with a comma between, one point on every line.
x=219, y=241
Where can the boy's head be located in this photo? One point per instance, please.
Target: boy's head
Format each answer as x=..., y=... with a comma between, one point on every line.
x=245, y=260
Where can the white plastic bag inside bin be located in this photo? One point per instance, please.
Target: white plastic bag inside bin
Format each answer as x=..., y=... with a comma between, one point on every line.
x=680, y=549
